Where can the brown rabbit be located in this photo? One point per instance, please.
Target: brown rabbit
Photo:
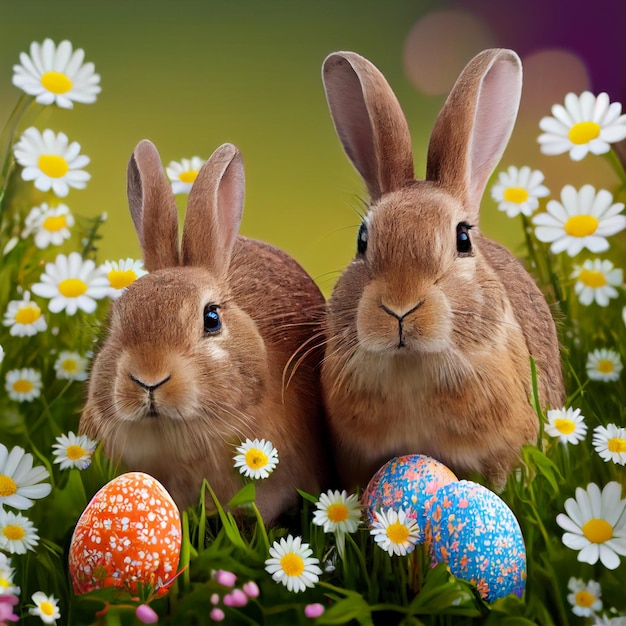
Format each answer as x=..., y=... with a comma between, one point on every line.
x=432, y=326
x=194, y=360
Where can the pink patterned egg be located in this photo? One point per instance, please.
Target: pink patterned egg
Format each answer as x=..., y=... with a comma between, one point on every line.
x=409, y=482
x=129, y=533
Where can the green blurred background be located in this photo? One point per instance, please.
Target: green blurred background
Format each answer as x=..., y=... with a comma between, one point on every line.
x=190, y=75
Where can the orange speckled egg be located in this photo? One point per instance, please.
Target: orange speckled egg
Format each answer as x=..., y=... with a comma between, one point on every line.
x=129, y=533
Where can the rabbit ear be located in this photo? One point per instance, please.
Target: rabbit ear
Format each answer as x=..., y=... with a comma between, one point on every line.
x=369, y=122
x=214, y=211
x=475, y=124
x=152, y=207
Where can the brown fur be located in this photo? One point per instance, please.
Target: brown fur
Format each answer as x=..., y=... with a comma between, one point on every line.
x=215, y=391
x=453, y=379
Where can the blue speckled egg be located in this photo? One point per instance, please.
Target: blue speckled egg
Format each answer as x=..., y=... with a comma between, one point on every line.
x=409, y=482
x=475, y=532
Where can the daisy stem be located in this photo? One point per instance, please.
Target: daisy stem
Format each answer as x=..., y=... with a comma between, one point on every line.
x=360, y=558
x=532, y=252
x=616, y=164
x=90, y=240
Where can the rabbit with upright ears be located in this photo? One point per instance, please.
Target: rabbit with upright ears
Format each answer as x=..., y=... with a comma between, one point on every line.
x=431, y=328
x=195, y=357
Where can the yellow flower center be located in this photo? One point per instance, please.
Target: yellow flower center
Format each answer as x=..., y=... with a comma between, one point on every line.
x=70, y=366
x=28, y=314
x=584, y=598
x=584, y=132
x=72, y=287
x=581, y=225
x=606, y=366
x=188, y=177
x=13, y=532
x=256, y=459
x=54, y=223
x=4, y=585
x=7, y=486
x=74, y=452
x=53, y=165
x=23, y=385
x=616, y=444
x=47, y=608
x=597, y=530
x=337, y=512
x=292, y=564
x=517, y=195
x=56, y=82
x=398, y=533
x=121, y=278
x=592, y=278
x=564, y=426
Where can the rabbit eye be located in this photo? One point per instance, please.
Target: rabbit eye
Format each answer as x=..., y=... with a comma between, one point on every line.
x=361, y=239
x=212, y=321
x=463, y=241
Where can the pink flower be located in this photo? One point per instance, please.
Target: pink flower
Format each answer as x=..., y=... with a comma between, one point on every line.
x=217, y=615
x=314, y=610
x=236, y=598
x=223, y=577
x=251, y=589
x=215, y=598
x=146, y=615
x=6, y=609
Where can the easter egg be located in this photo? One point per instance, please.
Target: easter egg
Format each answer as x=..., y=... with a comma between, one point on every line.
x=408, y=482
x=475, y=532
x=129, y=533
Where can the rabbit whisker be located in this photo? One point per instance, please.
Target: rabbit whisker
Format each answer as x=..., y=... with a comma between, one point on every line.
x=299, y=356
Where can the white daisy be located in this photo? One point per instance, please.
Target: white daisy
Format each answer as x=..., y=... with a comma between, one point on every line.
x=24, y=317
x=604, y=364
x=45, y=607
x=184, y=173
x=23, y=385
x=73, y=451
x=596, y=281
x=51, y=225
x=72, y=283
x=51, y=161
x=518, y=191
x=610, y=443
x=585, y=597
x=122, y=273
x=338, y=513
x=583, y=219
x=7, y=588
x=595, y=524
x=585, y=124
x=291, y=564
x=256, y=459
x=71, y=366
x=1, y=354
x=394, y=532
x=566, y=424
x=17, y=533
x=20, y=482
x=56, y=74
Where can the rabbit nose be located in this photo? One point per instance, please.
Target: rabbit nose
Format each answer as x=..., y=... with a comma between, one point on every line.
x=147, y=386
x=400, y=316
